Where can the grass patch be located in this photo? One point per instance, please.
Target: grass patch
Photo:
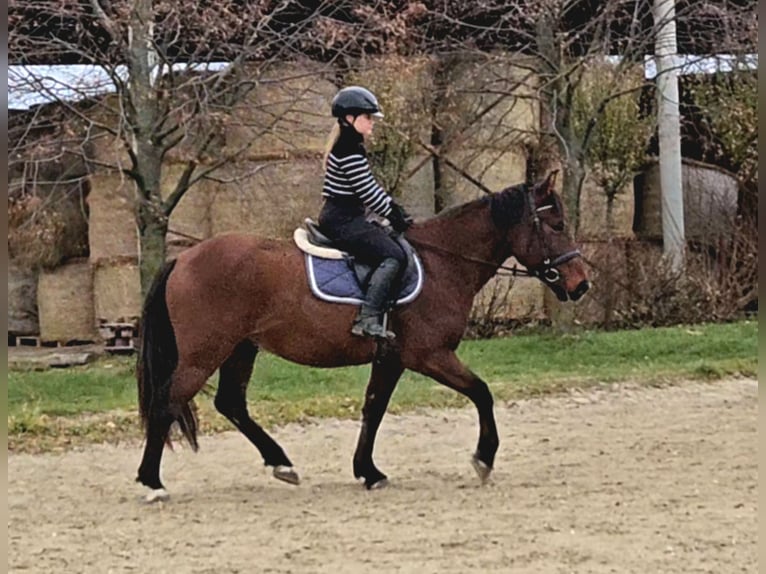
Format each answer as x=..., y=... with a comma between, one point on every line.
x=281, y=392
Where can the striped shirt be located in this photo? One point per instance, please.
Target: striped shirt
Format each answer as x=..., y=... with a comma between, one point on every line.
x=348, y=176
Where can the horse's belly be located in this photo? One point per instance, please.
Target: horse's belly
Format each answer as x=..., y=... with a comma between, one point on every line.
x=316, y=353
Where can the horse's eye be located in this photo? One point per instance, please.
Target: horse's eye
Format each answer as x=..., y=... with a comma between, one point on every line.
x=558, y=227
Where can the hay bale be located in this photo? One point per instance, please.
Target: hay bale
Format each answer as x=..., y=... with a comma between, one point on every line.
x=709, y=196
x=112, y=224
x=191, y=216
x=105, y=147
x=22, y=301
x=404, y=87
x=490, y=101
x=417, y=192
x=117, y=291
x=287, y=111
x=271, y=202
x=65, y=303
x=486, y=134
x=46, y=222
x=495, y=170
x=527, y=301
x=175, y=248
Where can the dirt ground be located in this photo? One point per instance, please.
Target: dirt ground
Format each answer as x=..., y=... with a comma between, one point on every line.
x=609, y=481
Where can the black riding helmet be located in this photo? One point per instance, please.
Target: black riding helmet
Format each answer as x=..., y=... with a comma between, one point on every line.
x=355, y=100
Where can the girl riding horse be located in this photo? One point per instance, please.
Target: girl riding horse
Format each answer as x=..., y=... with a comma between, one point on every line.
x=349, y=188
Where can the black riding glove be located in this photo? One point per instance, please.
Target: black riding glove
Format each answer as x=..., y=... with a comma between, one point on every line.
x=399, y=218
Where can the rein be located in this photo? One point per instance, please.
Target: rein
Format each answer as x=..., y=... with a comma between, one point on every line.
x=514, y=271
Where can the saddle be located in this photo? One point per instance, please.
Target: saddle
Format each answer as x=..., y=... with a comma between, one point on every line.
x=337, y=276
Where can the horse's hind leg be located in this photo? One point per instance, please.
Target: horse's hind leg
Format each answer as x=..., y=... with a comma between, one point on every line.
x=386, y=370
x=157, y=428
x=231, y=402
x=170, y=404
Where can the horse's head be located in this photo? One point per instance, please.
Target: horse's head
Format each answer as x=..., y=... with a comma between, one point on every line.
x=539, y=239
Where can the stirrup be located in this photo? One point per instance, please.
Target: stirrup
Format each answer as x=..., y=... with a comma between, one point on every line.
x=371, y=327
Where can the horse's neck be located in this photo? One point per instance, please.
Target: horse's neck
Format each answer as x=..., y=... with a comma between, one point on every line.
x=469, y=246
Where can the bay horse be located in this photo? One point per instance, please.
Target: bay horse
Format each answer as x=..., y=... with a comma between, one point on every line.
x=219, y=302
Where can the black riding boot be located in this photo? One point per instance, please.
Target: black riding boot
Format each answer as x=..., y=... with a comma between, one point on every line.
x=368, y=321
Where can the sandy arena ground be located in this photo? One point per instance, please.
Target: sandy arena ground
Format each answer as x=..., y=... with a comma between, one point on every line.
x=618, y=481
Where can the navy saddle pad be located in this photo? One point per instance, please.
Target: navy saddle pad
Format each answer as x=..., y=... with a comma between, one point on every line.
x=334, y=280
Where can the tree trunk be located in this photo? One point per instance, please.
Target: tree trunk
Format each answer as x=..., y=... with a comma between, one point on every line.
x=151, y=218
x=574, y=175
x=152, y=229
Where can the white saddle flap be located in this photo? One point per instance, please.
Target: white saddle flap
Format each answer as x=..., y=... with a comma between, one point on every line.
x=301, y=238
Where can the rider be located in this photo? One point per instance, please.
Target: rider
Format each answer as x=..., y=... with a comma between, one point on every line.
x=349, y=188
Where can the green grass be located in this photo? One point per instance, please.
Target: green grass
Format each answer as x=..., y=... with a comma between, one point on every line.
x=519, y=366
x=108, y=384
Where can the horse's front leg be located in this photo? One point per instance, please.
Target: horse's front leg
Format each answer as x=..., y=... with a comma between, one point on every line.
x=386, y=370
x=446, y=368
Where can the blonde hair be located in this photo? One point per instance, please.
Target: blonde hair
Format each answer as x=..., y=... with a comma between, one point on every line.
x=332, y=138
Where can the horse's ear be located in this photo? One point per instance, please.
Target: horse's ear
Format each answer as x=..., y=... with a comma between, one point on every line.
x=547, y=187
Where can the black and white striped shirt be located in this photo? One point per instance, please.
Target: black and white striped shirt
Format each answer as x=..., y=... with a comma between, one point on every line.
x=348, y=175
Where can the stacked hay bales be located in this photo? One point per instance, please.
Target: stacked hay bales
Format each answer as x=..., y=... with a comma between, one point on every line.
x=286, y=112
x=114, y=248
x=270, y=198
x=65, y=302
x=278, y=135
x=488, y=115
x=47, y=219
x=112, y=224
x=277, y=138
x=404, y=87
x=190, y=220
x=115, y=243
x=117, y=290
x=506, y=298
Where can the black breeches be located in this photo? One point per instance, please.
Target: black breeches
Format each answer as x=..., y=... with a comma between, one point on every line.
x=365, y=241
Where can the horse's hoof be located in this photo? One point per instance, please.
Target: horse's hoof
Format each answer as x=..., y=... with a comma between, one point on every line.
x=286, y=474
x=481, y=468
x=377, y=485
x=157, y=495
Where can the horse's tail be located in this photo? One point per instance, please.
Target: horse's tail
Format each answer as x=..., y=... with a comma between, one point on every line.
x=158, y=358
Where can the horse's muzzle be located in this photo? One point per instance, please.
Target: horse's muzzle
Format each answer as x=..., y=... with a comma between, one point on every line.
x=580, y=290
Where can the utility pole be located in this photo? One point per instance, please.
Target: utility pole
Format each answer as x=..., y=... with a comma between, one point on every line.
x=669, y=130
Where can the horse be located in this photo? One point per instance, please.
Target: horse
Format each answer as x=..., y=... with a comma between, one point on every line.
x=221, y=301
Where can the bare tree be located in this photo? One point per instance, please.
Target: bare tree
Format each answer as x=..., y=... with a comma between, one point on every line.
x=177, y=69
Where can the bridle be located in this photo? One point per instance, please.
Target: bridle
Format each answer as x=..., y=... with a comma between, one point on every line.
x=547, y=272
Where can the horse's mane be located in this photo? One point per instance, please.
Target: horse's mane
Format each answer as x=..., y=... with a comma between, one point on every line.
x=506, y=207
